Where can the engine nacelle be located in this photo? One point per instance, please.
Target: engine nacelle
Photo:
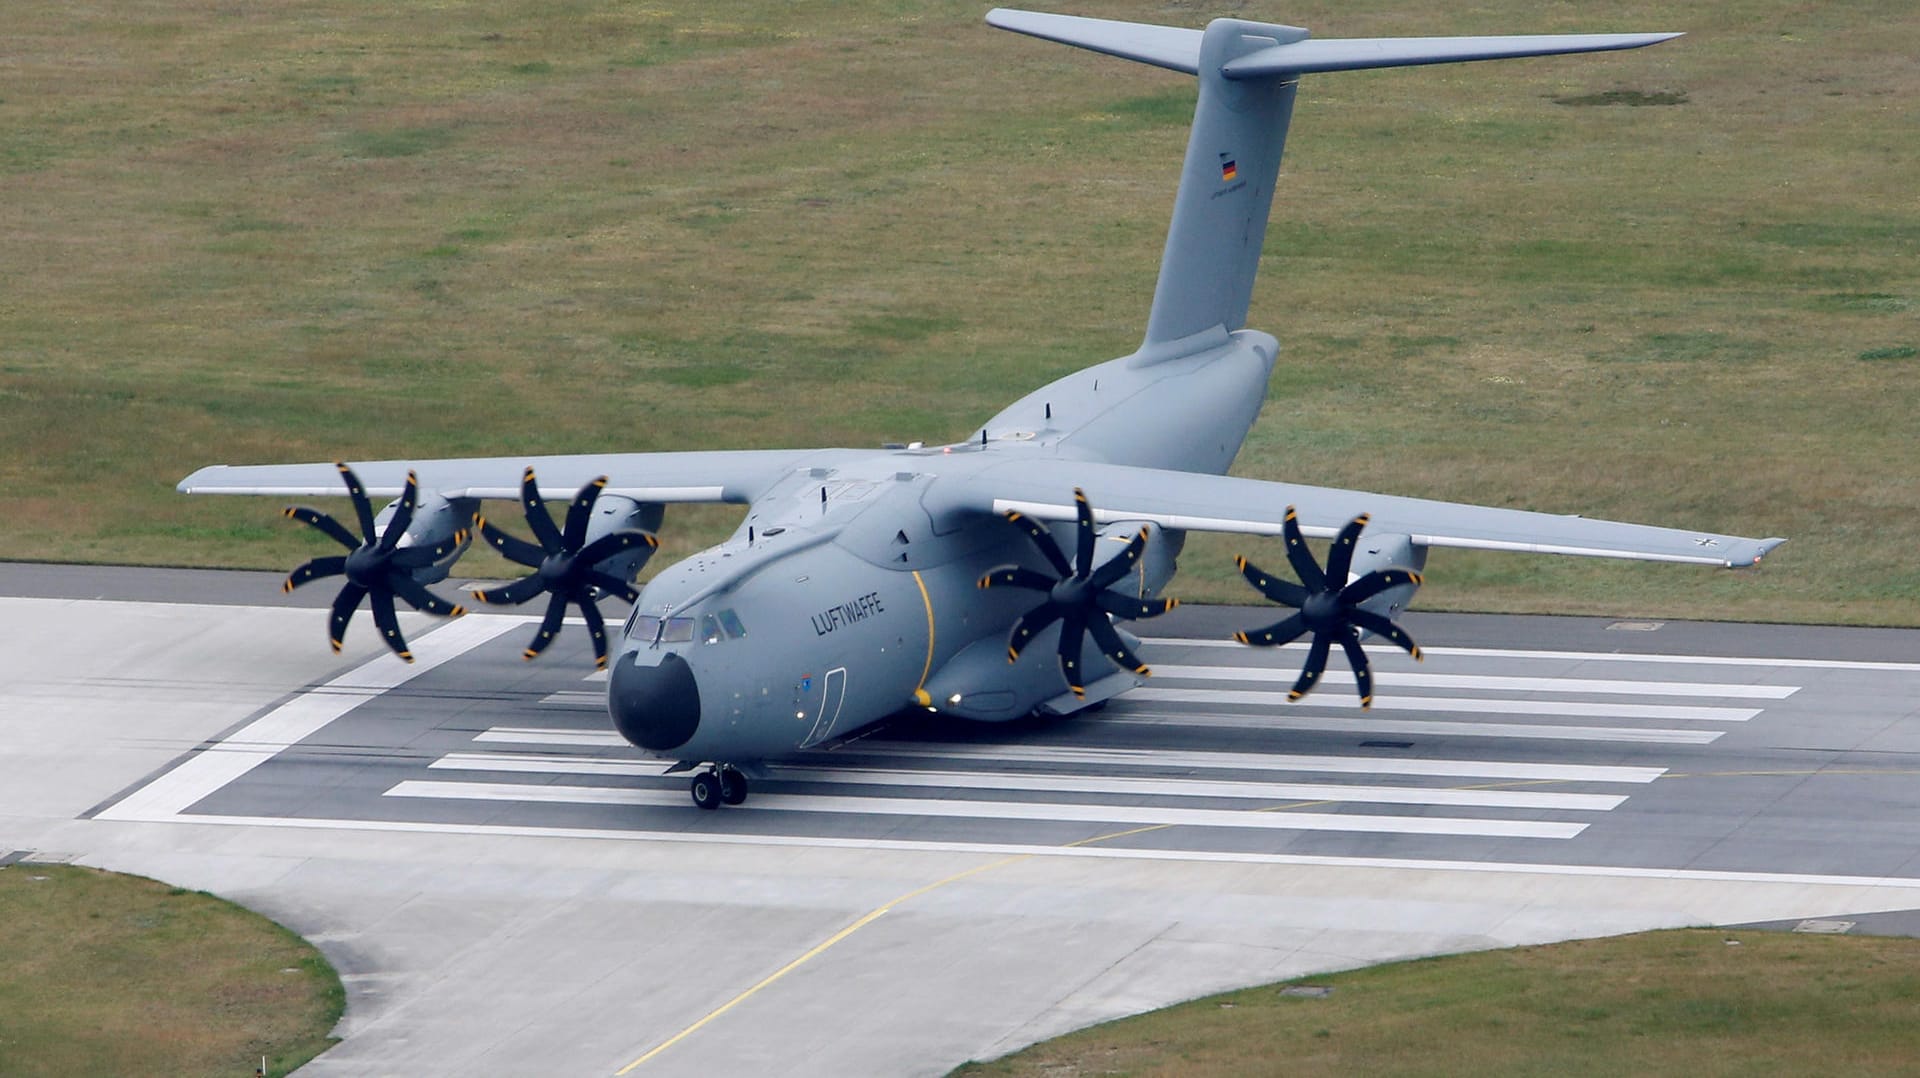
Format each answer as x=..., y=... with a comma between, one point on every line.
x=614, y=513
x=435, y=520
x=1388, y=551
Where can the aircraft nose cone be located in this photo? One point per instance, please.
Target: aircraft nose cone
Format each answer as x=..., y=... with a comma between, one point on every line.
x=655, y=707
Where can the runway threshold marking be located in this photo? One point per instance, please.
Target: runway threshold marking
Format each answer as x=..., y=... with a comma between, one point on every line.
x=1492, y=683
x=1003, y=810
x=1590, y=656
x=1332, y=793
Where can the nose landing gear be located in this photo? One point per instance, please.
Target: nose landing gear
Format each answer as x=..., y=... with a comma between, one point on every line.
x=722, y=784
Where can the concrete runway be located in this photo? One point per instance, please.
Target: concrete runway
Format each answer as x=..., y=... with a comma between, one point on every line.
x=507, y=890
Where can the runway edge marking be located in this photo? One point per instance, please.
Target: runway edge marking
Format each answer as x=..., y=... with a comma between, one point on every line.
x=204, y=772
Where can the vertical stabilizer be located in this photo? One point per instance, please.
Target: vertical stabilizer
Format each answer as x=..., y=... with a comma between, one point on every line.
x=1226, y=188
x=1248, y=74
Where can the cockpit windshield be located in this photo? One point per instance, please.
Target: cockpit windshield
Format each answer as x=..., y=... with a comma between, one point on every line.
x=657, y=630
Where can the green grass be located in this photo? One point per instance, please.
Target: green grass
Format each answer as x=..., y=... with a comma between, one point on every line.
x=108, y=974
x=336, y=229
x=1696, y=1002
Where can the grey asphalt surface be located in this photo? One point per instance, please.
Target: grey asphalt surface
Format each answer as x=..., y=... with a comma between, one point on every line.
x=507, y=889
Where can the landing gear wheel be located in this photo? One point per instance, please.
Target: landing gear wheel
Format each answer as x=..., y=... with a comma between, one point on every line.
x=706, y=790
x=733, y=786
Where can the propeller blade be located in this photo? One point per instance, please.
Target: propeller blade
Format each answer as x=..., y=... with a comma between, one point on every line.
x=1357, y=658
x=580, y=513
x=1340, y=557
x=612, y=543
x=1073, y=637
x=1374, y=583
x=1122, y=563
x=1284, y=631
x=1381, y=627
x=1083, y=535
x=381, y=601
x=362, y=508
x=1012, y=576
x=597, y=629
x=344, y=604
x=314, y=570
x=1043, y=539
x=538, y=518
x=1299, y=556
x=1122, y=606
x=332, y=528
x=1115, y=648
x=549, y=627
x=402, y=515
x=1316, y=665
x=1284, y=592
x=514, y=549
x=513, y=594
x=417, y=596
x=419, y=557
x=613, y=585
x=1030, y=625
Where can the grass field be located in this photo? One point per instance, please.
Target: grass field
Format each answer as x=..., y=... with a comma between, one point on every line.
x=1680, y=285
x=1694, y=1002
x=108, y=974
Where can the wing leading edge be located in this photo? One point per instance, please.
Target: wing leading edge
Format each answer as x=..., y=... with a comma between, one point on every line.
x=1194, y=502
x=722, y=476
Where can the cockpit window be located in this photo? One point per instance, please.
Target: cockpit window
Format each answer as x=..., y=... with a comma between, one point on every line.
x=655, y=630
x=730, y=621
x=710, y=629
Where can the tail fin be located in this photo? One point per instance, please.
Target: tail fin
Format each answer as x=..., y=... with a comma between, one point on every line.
x=1248, y=73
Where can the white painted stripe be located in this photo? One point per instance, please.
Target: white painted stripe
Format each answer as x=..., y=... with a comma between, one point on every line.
x=1247, y=761
x=1586, y=656
x=1342, y=765
x=577, y=699
x=1468, y=705
x=1898, y=884
x=1364, y=724
x=1052, y=783
x=524, y=735
x=1003, y=810
x=1494, y=684
x=260, y=740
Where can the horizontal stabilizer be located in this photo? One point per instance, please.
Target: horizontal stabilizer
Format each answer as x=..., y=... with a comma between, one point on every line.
x=1162, y=46
x=1360, y=53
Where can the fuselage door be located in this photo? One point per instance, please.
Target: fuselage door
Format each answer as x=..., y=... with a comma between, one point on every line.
x=832, y=694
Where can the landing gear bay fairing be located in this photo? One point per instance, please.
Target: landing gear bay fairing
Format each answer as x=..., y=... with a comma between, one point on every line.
x=990, y=578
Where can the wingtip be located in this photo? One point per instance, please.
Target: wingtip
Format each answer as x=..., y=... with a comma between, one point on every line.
x=1294, y=694
x=529, y=654
x=1241, y=637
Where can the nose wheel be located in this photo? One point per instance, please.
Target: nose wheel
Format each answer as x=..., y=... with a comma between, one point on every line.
x=723, y=785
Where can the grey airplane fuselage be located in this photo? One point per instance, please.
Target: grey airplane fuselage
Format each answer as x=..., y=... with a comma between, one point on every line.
x=850, y=591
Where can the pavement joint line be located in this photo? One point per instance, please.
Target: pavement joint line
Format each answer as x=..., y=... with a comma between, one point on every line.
x=817, y=950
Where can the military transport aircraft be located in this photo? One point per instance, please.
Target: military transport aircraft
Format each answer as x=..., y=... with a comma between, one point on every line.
x=984, y=578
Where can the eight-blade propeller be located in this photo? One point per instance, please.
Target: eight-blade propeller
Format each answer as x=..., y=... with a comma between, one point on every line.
x=376, y=567
x=1077, y=595
x=564, y=564
x=1328, y=606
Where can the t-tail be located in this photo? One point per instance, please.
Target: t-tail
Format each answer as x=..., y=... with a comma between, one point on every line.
x=1248, y=74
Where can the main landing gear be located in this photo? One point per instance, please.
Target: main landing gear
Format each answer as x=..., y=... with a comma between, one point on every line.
x=723, y=784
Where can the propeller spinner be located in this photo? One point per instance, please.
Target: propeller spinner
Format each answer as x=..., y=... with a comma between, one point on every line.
x=1328, y=606
x=376, y=567
x=565, y=565
x=1077, y=595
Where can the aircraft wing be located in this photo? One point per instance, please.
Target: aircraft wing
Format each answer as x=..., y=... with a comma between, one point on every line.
x=1194, y=502
x=721, y=476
